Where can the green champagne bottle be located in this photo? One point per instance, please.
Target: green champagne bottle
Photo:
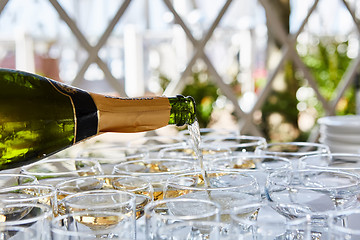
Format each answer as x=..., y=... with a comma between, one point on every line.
x=40, y=116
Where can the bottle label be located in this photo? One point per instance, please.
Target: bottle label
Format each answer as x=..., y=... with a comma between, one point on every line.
x=85, y=110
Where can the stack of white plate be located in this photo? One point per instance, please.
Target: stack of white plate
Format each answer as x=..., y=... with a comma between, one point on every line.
x=341, y=133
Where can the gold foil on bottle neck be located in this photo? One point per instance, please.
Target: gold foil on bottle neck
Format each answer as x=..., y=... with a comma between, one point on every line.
x=131, y=114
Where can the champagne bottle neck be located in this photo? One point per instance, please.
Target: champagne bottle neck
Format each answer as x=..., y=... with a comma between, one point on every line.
x=142, y=114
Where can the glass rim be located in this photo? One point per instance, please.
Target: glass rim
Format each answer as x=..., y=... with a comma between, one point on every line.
x=25, y=169
x=208, y=146
x=208, y=130
x=217, y=226
x=252, y=156
x=18, y=175
x=270, y=178
x=306, y=218
x=219, y=151
x=54, y=223
x=145, y=184
x=264, y=148
x=46, y=210
x=149, y=209
x=116, y=170
x=331, y=155
x=199, y=173
x=50, y=194
x=59, y=187
x=131, y=200
x=178, y=141
x=253, y=139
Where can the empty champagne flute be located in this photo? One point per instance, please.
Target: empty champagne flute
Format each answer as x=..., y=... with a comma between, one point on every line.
x=320, y=191
x=196, y=229
x=227, y=188
x=269, y=220
x=52, y=171
x=167, y=212
x=347, y=162
x=292, y=150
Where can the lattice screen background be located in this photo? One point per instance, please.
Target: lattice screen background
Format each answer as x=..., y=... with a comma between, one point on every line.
x=123, y=46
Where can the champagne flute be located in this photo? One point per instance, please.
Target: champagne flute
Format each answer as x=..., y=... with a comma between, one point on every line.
x=37, y=217
x=52, y=171
x=166, y=212
x=140, y=187
x=42, y=194
x=347, y=162
x=156, y=171
x=76, y=226
x=97, y=201
x=269, y=220
x=292, y=150
x=318, y=190
x=227, y=188
x=255, y=165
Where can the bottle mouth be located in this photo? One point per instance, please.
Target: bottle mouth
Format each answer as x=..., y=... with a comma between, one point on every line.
x=192, y=110
x=193, y=114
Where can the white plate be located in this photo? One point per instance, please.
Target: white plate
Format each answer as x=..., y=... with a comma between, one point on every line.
x=340, y=124
x=340, y=147
x=341, y=137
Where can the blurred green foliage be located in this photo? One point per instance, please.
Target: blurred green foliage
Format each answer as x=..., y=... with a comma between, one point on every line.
x=327, y=61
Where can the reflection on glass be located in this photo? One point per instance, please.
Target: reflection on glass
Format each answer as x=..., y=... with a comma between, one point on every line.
x=52, y=171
